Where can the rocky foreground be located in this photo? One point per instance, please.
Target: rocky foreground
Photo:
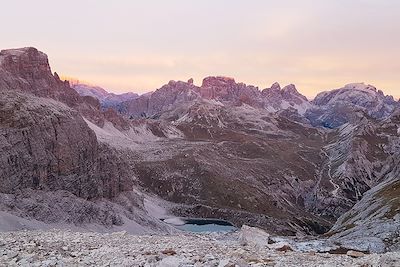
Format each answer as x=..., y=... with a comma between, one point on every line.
x=66, y=248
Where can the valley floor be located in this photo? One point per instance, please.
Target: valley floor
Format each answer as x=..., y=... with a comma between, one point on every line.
x=66, y=248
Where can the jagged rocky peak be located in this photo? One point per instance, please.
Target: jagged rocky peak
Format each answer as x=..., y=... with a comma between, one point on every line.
x=275, y=86
x=226, y=89
x=288, y=97
x=288, y=90
x=218, y=81
x=360, y=86
x=181, y=84
x=291, y=88
x=175, y=87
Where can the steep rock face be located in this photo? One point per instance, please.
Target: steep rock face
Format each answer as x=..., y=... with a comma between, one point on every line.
x=28, y=70
x=374, y=222
x=54, y=170
x=335, y=108
x=136, y=108
x=226, y=89
x=39, y=151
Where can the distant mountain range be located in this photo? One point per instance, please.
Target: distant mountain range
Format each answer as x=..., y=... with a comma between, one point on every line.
x=269, y=158
x=106, y=99
x=326, y=110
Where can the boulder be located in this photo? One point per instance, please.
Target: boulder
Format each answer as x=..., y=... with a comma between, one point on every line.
x=355, y=254
x=253, y=236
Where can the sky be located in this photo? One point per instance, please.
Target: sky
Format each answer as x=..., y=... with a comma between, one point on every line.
x=128, y=45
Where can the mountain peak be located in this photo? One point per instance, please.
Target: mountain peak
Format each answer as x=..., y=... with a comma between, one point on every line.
x=360, y=87
x=354, y=97
x=212, y=81
x=88, y=90
x=19, y=51
x=291, y=88
x=27, y=61
x=275, y=86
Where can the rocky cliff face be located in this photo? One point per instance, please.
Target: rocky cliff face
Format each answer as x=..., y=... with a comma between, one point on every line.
x=38, y=148
x=28, y=70
x=54, y=170
x=226, y=89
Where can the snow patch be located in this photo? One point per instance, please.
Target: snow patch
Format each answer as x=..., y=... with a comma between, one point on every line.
x=126, y=139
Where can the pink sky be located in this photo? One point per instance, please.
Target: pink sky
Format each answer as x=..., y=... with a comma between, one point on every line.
x=141, y=45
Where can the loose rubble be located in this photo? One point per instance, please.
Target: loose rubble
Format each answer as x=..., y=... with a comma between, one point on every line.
x=66, y=248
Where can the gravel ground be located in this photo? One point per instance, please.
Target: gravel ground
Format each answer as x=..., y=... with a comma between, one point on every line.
x=65, y=248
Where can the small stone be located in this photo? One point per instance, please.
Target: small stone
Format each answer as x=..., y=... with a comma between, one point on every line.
x=169, y=252
x=284, y=248
x=12, y=254
x=170, y=262
x=224, y=263
x=74, y=254
x=355, y=254
x=49, y=263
